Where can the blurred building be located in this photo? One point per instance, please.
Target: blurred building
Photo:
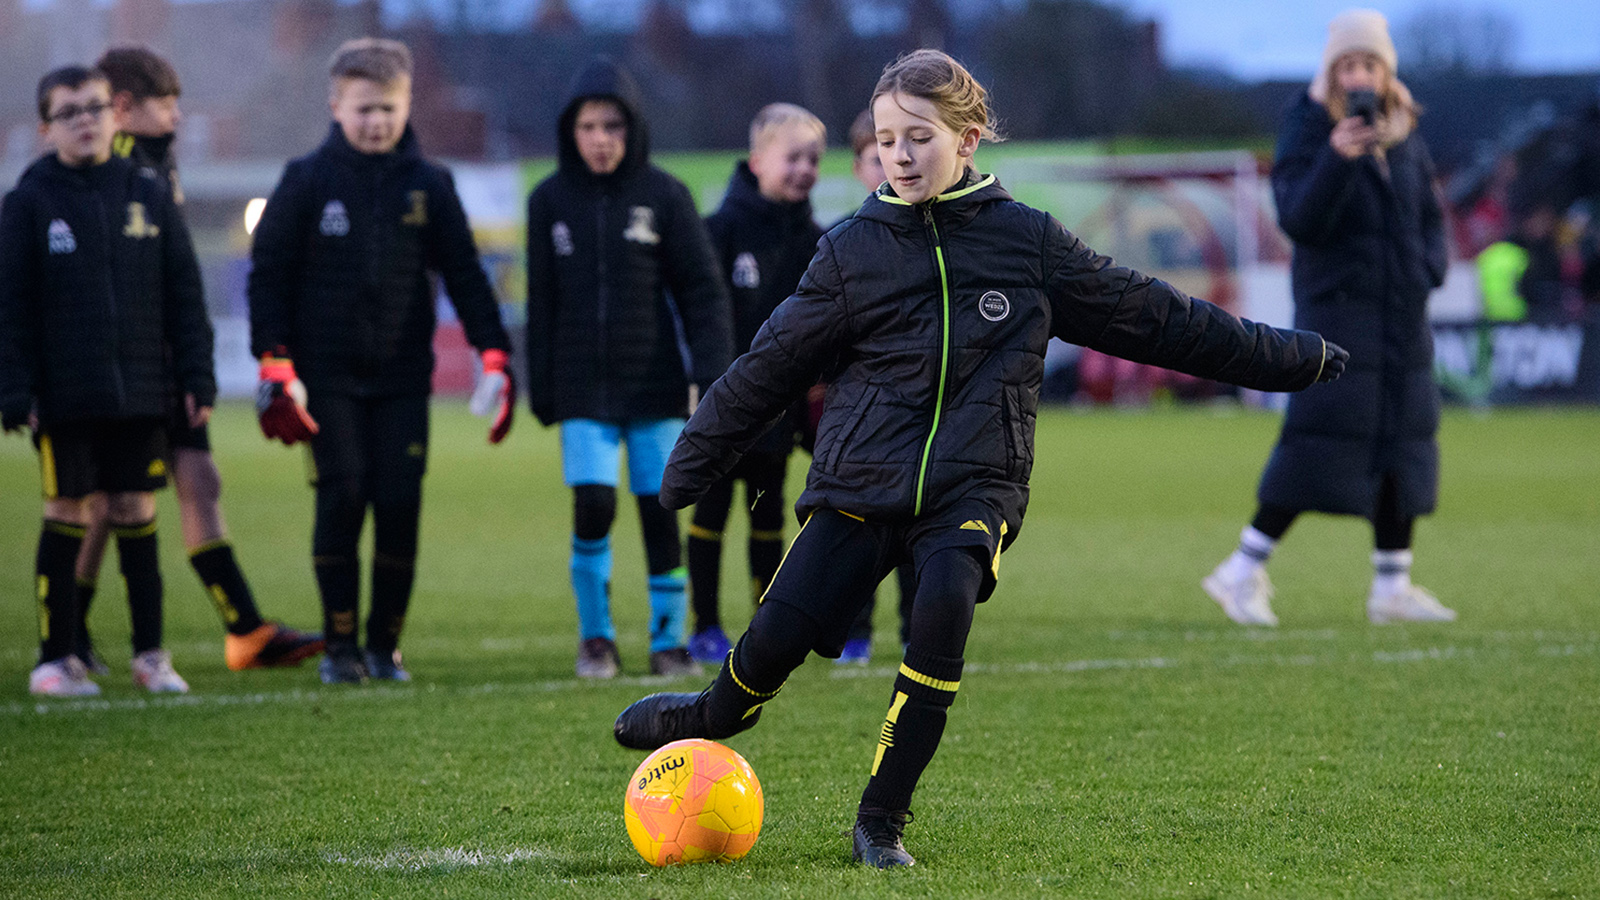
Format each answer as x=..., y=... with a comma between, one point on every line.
x=254, y=72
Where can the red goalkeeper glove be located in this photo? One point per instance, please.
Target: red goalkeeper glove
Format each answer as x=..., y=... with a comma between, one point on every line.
x=496, y=395
x=281, y=402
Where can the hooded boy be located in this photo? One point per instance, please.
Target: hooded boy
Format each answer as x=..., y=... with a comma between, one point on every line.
x=618, y=264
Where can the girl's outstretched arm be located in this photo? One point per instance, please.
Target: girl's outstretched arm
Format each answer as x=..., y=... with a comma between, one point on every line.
x=1106, y=307
x=786, y=358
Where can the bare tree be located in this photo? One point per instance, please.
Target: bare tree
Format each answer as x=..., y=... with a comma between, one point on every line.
x=1449, y=39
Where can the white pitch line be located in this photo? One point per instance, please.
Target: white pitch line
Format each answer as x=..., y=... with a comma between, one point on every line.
x=440, y=859
x=372, y=693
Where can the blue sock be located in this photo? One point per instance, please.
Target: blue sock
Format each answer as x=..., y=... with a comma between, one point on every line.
x=668, y=608
x=591, y=584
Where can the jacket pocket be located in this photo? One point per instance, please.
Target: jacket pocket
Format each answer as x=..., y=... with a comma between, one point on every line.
x=847, y=432
x=1017, y=426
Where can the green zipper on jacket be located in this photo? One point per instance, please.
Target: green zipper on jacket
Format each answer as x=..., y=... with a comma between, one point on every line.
x=944, y=357
x=944, y=323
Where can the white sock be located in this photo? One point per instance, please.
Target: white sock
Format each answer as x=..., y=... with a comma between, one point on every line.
x=1391, y=572
x=1254, y=550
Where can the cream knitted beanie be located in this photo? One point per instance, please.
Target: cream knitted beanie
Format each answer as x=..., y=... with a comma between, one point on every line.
x=1354, y=30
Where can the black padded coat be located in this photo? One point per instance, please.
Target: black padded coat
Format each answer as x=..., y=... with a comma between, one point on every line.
x=340, y=269
x=97, y=278
x=933, y=320
x=617, y=264
x=763, y=247
x=1368, y=248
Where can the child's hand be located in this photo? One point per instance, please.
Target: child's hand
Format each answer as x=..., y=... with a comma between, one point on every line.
x=197, y=415
x=673, y=499
x=281, y=402
x=1333, y=360
x=12, y=421
x=496, y=395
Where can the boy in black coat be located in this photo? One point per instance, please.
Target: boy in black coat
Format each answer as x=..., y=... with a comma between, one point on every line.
x=618, y=262
x=97, y=277
x=340, y=285
x=144, y=99
x=764, y=236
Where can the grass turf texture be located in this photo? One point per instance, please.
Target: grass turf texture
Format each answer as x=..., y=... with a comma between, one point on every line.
x=1114, y=736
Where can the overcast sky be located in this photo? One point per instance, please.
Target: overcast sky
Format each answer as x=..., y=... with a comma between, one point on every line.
x=1254, y=39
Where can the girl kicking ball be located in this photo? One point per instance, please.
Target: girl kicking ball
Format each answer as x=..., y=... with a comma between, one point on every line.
x=927, y=313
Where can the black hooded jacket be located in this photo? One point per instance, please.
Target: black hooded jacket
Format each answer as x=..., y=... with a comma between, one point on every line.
x=934, y=319
x=763, y=247
x=340, y=265
x=154, y=157
x=616, y=264
x=1369, y=246
x=97, y=278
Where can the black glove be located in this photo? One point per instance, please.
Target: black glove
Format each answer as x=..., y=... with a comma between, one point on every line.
x=673, y=499
x=1333, y=360
x=13, y=420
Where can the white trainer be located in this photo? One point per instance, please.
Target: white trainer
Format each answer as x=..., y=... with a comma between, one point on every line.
x=152, y=670
x=64, y=677
x=1247, y=599
x=1413, y=604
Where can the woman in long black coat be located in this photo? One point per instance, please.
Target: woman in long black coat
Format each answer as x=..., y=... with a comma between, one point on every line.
x=1355, y=191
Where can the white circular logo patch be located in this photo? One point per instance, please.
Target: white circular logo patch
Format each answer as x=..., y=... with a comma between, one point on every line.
x=994, y=306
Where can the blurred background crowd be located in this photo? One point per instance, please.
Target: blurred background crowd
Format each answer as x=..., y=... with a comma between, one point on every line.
x=1159, y=163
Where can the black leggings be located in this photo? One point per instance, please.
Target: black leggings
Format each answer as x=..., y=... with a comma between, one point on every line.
x=1390, y=530
x=780, y=636
x=763, y=475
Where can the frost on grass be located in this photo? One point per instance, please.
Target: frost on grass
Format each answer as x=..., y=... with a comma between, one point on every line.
x=437, y=860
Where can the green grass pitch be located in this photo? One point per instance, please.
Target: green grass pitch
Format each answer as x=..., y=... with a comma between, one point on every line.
x=1114, y=736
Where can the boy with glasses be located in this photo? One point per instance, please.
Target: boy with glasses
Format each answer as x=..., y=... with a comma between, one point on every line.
x=144, y=100
x=97, y=278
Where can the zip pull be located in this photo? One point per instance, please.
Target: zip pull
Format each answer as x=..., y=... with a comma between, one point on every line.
x=927, y=213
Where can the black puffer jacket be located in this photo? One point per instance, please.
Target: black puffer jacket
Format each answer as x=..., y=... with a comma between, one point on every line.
x=938, y=316
x=1368, y=248
x=764, y=248
x=340, y=267
x=616, y=263
x=97, y=275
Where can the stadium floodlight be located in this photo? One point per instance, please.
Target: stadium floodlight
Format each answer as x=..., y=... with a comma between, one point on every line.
x=252, y=214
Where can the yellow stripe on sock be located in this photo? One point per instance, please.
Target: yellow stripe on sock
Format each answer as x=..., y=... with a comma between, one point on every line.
x=42, y=585
x=47, y=467
x=225, y=608
x=67, y=529
x=704, y=534
x=734, y=674
x=930, y=681
x=774, y=535
x=886, y=735
x=135, y=531
x=209, y=546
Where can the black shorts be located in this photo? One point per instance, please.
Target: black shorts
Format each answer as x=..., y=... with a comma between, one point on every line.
x=118, y=456
x=837, y=560
x=376, y=446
